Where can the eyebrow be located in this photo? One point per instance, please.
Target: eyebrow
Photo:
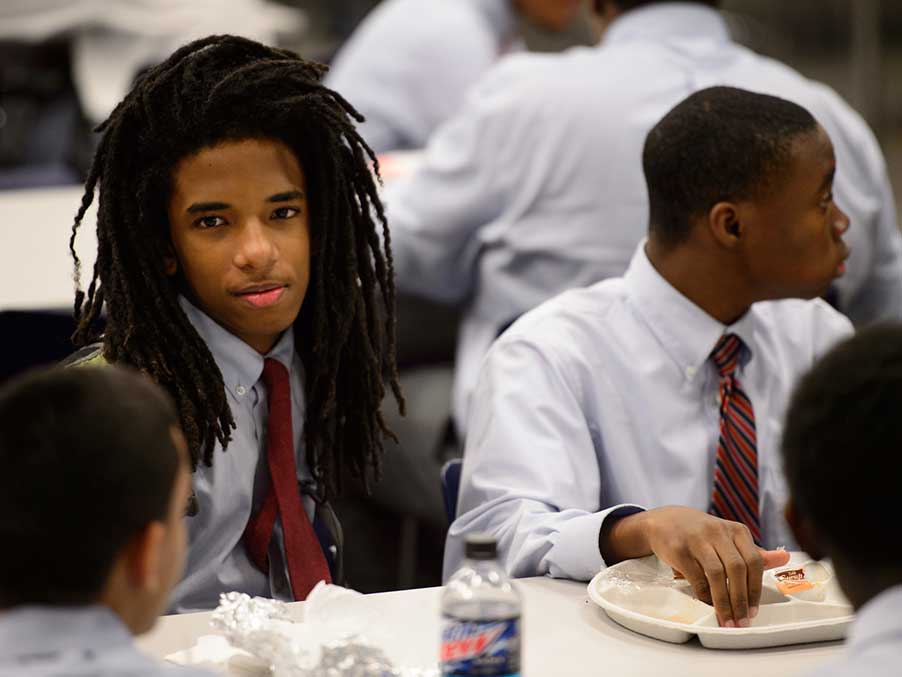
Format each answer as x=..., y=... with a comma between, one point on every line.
x=287, y=196
x=207, y=207
x=828, y=179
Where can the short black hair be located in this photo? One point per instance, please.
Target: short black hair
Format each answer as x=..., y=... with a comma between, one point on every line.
x=225, y=88
x=720, y=143
x=842, y=447
x=87, y=460
x=626, y=5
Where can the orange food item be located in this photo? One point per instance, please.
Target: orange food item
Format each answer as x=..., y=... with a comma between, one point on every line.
x=791, y=587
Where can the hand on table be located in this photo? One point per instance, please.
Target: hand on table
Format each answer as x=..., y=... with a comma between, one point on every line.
x=708, y=551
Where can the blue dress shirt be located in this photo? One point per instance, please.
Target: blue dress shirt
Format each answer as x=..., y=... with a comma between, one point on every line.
x=39, y=641
x=874, y=644
x=536, y=185
x=235, y=485
x=604, y=399
x=408, y=65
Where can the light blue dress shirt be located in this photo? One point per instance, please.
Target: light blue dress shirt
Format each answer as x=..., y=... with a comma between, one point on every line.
x=605, y=398
x=408, y=65
x=874, y=643
x=39, y=641
x=536, y=185
x=231, y=489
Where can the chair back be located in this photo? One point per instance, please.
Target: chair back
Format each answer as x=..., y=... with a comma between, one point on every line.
x=451, y=486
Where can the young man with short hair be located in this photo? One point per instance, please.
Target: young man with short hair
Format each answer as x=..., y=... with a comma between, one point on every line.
x=92, y=499
x=666, y=388
x=843, y=434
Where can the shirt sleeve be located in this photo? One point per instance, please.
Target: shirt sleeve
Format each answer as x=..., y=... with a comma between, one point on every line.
x=531, y=473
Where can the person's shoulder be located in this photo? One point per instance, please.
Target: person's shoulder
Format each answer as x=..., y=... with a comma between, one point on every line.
x=570, y=321
x=843, y=123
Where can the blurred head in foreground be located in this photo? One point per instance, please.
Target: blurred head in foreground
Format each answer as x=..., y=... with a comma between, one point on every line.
x=93, y=491
x=842, y=452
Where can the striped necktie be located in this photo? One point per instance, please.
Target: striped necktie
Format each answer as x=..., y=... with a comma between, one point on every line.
x=306, y=562
x=735, y=495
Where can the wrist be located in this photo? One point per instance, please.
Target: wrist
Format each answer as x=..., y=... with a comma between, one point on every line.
x=624, y=537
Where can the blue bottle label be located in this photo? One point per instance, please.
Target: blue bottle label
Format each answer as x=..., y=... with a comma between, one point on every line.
x=489, y=648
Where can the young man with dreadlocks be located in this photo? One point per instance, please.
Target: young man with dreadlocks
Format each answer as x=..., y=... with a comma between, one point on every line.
x=240, y=264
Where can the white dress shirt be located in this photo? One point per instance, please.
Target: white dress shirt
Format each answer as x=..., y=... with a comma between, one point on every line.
x=230, y=490
x=536, y=186
x=407, y=66
x=605, y=397
x=42, y=641
x=874, y=644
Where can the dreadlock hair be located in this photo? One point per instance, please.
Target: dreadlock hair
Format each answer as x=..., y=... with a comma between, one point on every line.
x=223, y=88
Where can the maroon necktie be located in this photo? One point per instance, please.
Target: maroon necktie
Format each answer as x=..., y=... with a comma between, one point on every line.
x=306, y=563
x=735, y=495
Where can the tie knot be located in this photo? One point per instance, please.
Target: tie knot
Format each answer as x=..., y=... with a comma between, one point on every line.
x=274, y=374
x=726, y=354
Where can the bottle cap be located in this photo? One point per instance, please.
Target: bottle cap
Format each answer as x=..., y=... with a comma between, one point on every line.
x=481, y=546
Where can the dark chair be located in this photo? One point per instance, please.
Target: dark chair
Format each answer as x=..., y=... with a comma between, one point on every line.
x=451, y=486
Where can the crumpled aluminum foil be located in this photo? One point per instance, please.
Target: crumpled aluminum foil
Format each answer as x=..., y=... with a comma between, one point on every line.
x=264, y=628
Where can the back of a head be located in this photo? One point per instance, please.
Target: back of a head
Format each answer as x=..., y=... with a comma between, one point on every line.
x=720, y=143
x=88, y=461
x=626, y=5
x=842, y=449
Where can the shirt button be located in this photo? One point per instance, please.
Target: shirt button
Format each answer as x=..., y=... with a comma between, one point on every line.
x=241, y=390
x=690, y=372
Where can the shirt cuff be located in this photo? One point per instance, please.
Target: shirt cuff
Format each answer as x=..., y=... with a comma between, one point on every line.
x=576, y=553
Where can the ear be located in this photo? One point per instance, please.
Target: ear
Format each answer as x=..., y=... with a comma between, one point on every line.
x=170, y=262
x=144, y=557
x=804, y=532
x=725, y=224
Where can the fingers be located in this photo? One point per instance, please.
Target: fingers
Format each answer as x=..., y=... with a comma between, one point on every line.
x=716, y=574
x=754, y=566
x=774, y=558
x=695, y=575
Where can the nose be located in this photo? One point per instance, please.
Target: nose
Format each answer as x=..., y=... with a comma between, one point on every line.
x=255, y=249
x=841, y=221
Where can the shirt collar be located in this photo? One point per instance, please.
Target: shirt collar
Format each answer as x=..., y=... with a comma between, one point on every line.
x=668, y=20
x=500, y=15
x=880, y=616
x=38, y=629
x=240, y=365
x=686, y=332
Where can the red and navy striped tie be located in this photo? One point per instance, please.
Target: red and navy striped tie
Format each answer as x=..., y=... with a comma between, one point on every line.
x=735, y=495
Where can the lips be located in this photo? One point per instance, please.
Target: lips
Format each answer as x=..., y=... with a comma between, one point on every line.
x=262, y=295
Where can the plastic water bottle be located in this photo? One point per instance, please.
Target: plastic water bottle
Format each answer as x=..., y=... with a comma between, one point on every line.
x=480, y=616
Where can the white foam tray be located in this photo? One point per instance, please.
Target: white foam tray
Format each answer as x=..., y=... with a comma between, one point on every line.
x=640, y=594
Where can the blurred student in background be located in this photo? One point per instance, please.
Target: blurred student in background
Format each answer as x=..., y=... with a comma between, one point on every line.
x=535, y=185
x=92, y=500
x=240, y=265
x=408, y=65
x=844, y=433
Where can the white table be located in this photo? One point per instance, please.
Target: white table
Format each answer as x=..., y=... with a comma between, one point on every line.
x=35, y=265
x=564, y=634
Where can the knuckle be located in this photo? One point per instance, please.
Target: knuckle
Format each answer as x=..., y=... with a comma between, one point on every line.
x=715, y=574
x=736, y=567
x=756, y=561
